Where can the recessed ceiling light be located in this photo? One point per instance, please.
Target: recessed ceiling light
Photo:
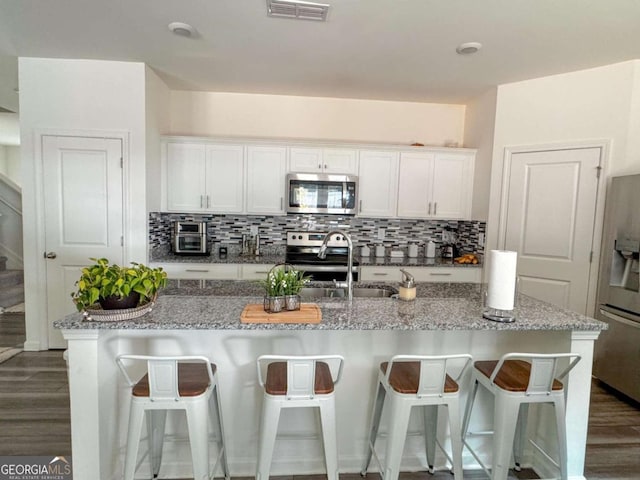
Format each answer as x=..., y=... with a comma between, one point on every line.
x=468, y=48
x=182, y=29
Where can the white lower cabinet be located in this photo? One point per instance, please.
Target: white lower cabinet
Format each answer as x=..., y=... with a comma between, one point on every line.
x=214, y=271
x=421, y=274
x=200, y=271
x=254, y=271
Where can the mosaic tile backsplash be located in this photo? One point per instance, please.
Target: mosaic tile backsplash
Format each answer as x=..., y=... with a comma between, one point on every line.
x=228, y=229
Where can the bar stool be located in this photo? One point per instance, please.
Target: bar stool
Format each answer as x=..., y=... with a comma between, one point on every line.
x=516, y=380
x=292, y=382
x=416, y=380
x=185, y=383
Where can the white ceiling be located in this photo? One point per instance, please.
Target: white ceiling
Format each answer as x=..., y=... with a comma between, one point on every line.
x=373, y=49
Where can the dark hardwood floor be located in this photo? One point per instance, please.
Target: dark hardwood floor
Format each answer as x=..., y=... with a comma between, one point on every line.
x=34, y=417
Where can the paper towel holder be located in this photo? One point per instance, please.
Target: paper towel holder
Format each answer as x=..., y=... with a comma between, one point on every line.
x=497, y=314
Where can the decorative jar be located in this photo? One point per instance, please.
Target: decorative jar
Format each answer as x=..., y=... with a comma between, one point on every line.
x=274, y=304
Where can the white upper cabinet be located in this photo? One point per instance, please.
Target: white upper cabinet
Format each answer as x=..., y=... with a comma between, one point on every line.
x=216, y=176
x=204, y=177
x=323, y=160
x=225, y=178
x=378, y=183
x=186, y=177
x=435, y=185
x=266, y=170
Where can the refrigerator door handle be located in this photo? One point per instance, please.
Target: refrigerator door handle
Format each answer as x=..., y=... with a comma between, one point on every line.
x=618, y=318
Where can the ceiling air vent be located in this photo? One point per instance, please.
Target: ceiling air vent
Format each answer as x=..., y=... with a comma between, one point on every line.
x=297, y=9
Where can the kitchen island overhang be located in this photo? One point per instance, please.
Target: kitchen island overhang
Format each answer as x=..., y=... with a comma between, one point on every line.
x=444, y=319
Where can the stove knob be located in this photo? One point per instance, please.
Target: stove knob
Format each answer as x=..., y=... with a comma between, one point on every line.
x=299, y=237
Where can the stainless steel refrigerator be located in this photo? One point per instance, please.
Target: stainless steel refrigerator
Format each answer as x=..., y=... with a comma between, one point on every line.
x=617, y=350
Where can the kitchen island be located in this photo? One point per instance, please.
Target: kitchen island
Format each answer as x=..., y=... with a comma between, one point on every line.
x=205, y=319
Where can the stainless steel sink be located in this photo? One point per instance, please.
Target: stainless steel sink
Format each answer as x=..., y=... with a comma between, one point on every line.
x=330, y=292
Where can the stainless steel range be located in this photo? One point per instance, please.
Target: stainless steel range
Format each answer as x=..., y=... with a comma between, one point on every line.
x=302, y=252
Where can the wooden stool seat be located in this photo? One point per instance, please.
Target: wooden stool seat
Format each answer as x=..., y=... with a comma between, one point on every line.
x=513, y=376
x=405, y=377
x=193, y=380
x=276, y=381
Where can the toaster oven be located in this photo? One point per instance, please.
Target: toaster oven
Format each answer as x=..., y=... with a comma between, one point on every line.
x=189, y=238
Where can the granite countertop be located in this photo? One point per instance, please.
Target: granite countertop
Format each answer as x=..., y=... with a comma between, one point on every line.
x=217, y=305
x=274, y=258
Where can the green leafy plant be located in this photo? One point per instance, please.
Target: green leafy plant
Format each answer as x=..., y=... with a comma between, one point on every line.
x=102, y=280
x=281, y=281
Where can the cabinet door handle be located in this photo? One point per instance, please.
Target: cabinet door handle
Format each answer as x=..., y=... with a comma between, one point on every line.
x=196, y=270
x=378, y=274
x=319, y=167
x=429, y=208
x=435, y=208
x=440, y=274
x=201, y=201
x=208, y=201
x=325, y=166
x=360, y=209
x=261, y=271
x=281, y=203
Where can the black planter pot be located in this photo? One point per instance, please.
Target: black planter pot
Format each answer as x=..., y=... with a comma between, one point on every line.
x=113, y=302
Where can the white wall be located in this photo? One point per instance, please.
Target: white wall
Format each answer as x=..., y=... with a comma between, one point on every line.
x=157, y=120
x=59, y=95
x=478, y=133
x=594, y=104
x=281, y=116
x=10, y=163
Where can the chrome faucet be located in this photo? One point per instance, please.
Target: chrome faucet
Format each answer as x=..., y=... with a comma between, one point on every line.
x=323, y=254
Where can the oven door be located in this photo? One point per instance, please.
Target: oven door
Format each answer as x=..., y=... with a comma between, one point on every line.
x=195, y=244
x=320, y=193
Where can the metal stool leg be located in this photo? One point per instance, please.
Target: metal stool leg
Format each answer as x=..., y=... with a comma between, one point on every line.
x=198, y=438
x=398, y=425
x=430, y=414
x=521, y=435
x=216, y=417
x=268, y=431
x=456, y=437
x=156, y=420
x=469, y=408
x=505, y=417
x=329, y=437
x=561, y=426
x=375, y=424
x=136, y=416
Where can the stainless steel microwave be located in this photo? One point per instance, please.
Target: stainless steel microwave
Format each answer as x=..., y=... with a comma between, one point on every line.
x=322, y=193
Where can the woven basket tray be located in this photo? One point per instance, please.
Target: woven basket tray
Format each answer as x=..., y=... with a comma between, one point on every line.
x=97, y=314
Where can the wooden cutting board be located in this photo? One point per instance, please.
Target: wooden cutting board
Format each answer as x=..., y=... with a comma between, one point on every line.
x=308, y=313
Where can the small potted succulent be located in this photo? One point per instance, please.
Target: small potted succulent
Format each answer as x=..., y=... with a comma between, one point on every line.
x=117, y=287
x=282, y=288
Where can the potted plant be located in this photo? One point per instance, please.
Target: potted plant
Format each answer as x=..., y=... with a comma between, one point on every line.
x=117, y=287
x=282, y=288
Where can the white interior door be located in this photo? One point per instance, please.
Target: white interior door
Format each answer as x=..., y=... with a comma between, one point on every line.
x=550, y=219
x=83, y=206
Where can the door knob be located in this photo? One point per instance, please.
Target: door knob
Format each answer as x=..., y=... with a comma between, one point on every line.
x=50, y=255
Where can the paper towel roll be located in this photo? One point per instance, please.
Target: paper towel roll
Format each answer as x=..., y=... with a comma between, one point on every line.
x=502, y=279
